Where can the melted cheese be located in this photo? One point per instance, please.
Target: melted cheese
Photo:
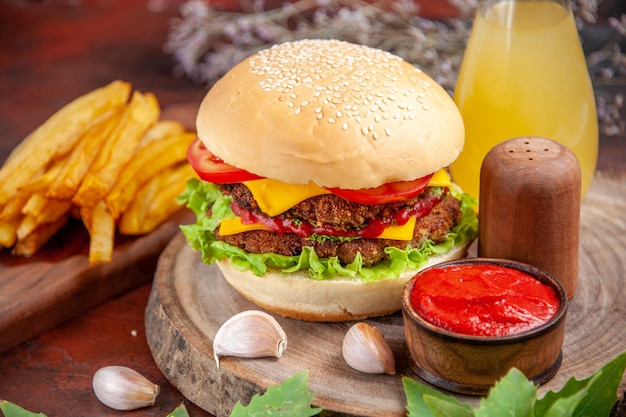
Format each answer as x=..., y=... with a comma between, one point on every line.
x=233, y=226
x=275, y=197
x=440, y=178
x=404, y=232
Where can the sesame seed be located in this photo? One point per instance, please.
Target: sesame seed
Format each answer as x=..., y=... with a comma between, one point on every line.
x=357, y=86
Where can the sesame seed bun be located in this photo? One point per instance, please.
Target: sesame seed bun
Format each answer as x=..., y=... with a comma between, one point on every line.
x=332, y=113
x=340, y=299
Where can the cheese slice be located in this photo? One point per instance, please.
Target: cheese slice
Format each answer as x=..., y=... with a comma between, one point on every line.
x=275, y=197
x=396, y=232
x=440, y=178
x=233, y=226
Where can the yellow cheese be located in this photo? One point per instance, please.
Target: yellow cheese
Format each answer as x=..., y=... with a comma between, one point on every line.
x=275, y=197
x=440, y=178
x=404, y=232
x=234, y=226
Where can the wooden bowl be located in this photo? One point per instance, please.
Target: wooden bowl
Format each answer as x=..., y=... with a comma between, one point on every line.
x=473, y=364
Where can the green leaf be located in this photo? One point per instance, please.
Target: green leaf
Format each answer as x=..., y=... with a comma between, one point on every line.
x=417, y=406
x=601, y=395
x=566, y=406
x=11, y=410
x=291, y=398
x=180, y=411
x=514, y=395
x=444, y=408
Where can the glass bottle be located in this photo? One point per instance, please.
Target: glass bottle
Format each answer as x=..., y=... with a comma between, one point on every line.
x=524, y=74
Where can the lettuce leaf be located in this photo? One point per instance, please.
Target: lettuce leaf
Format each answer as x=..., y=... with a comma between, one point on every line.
x=211, y=207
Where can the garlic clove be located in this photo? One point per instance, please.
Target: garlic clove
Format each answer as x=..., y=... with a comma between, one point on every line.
x=249, y=334
x=365, y=349
x=122, y=388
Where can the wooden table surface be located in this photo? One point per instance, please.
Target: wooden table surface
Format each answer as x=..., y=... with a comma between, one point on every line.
x=50, y=53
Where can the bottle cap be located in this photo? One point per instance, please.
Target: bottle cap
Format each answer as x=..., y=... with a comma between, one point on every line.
x=529, y=208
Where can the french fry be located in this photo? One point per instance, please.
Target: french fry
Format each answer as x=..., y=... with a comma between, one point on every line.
x=102, y=235
x=160, y=130
x=86, y=215
x=13, y=209
x=69, y=176
x=8, y=235
x=155, y=202
x=57, y=135
x=142, y=112
x=35, y=205
x=38, y=237
x=41, y=210
x=164, y=204
x=150, y=160
x=25, y=227
x=42, y=182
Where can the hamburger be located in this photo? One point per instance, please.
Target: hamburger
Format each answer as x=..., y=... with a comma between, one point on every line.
x=323, y=183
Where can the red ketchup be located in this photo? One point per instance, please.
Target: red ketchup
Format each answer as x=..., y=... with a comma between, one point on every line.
x=483, y=300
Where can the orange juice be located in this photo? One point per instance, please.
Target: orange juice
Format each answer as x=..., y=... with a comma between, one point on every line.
x=524, y=74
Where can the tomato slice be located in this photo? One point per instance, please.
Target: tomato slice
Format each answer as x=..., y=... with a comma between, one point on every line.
x=387, y=193
x=212, y=169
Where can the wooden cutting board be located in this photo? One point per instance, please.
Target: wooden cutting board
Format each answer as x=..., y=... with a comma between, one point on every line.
x=190, y=300
x=58, y=283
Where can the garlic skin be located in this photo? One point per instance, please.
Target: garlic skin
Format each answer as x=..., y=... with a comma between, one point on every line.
x=122, y=388
x=365, y=349
x=249, y=334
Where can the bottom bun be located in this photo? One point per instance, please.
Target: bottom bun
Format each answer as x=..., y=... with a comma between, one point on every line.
x=300, y=297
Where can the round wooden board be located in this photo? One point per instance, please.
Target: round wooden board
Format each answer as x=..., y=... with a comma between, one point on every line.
x=190, y=300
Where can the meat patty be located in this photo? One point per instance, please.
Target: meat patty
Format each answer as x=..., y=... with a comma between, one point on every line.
x=434, y=226
x=325, y=209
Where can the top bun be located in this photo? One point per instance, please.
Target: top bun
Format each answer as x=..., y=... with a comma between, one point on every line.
x=332, y=113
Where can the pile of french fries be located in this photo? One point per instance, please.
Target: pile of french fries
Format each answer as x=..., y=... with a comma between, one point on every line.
x=105, y=158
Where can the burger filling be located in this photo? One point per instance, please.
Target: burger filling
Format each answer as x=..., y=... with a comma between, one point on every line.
x=335, y=227
x=327, y=235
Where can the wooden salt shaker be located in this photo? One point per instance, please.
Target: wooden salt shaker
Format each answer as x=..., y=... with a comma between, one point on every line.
x=530, y=206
